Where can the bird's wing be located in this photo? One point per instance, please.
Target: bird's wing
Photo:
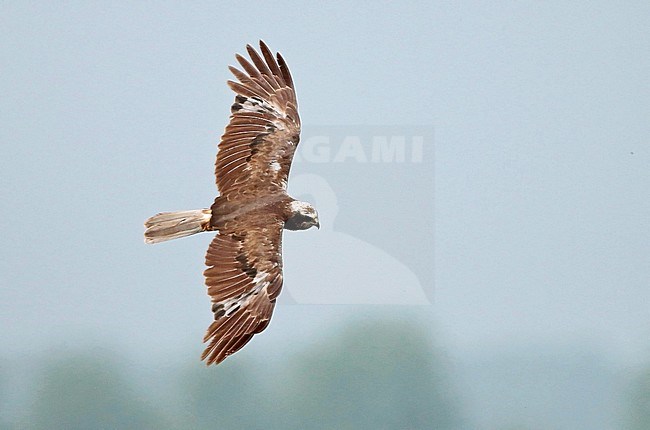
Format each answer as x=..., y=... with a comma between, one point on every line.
x=244, y=277
x=257, y=148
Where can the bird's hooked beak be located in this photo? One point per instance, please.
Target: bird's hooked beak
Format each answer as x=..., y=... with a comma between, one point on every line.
x=317, y=223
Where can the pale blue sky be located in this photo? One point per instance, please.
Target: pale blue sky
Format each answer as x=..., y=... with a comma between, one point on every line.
x=112, y=112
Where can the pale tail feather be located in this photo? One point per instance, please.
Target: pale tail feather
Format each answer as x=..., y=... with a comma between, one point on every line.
x=172, y=225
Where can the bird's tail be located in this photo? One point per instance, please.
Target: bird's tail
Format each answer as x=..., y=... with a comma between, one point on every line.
x=172, y=225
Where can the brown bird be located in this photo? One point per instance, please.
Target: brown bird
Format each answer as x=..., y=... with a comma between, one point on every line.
x=244, y=274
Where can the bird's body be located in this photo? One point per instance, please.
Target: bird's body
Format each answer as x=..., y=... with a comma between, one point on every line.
x=244, y=274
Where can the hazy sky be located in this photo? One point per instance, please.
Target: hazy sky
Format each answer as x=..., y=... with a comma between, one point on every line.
x=536, y=231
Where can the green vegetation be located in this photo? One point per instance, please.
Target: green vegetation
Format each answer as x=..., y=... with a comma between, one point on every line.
x=639, y=403
x=379, y=374
x=382, y=375
x=86, y=392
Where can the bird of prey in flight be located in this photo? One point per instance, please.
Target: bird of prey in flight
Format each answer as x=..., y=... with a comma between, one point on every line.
x=244, y=274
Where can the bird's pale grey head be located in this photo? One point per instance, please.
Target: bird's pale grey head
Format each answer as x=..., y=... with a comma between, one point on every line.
x=303, y=216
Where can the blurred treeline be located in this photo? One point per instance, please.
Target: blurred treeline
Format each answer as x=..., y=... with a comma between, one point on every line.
x=381, y=375
x=375, y=375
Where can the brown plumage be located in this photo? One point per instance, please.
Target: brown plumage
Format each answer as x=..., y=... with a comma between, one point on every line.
x=244, y=274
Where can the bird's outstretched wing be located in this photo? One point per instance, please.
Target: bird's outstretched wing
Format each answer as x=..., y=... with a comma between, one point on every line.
x=257, y=147
x=244, y=277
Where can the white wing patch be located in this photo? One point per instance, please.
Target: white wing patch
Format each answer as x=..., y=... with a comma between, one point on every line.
x=231, y=305
x=255, y=104
x=275, y=166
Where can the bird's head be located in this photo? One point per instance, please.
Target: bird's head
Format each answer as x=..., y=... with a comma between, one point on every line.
x=302, y=216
